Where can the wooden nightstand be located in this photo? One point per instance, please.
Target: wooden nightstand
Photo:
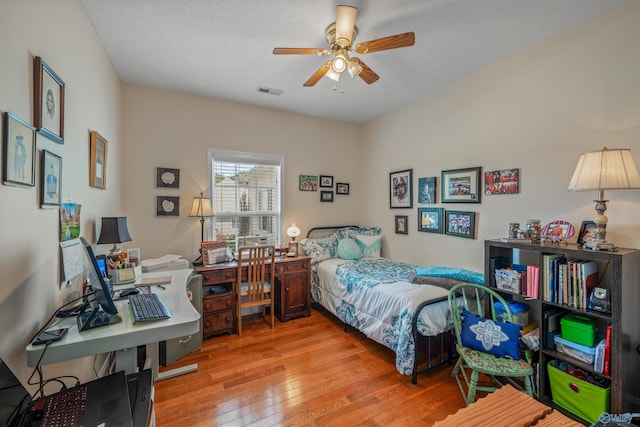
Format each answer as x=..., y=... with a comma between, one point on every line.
x=291, y=293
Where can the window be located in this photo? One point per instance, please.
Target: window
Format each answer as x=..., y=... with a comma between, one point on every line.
x=246, y=197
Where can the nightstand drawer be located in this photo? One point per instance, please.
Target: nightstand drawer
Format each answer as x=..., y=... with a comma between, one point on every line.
x=215, y=303
x=222, y=276
x=218, y=322
x=291, y=267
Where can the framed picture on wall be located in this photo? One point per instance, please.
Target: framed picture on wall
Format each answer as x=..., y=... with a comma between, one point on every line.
x=430, y=220
x=48, y=92
x=167, y=206
x=326, y=196
x=50, y=179
x=326, y=181
x=342, y=188
x=427, y=190
x=402, y=222
x=18, y=152
x=167, y=178
x=308, y=183
x=505, y=181
x=400, y=186
x=461, y=185
x=460, y=224
x=98, y=161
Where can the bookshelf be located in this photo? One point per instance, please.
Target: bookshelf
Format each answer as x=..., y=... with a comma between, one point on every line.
x=618, y=272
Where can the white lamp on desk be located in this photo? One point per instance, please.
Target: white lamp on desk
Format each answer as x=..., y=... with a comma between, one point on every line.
x=293, y=232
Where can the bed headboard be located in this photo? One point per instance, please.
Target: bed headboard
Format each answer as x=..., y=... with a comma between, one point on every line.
x=316, y=232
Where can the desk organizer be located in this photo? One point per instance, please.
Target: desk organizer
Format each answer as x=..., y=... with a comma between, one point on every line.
x=121, y=276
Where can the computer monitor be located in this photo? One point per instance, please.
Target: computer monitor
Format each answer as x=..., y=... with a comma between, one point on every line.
x=105, y=312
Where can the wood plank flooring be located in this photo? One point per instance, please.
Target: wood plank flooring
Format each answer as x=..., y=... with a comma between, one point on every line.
x=305, y=372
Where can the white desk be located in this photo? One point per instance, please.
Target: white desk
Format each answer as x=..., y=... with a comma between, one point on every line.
x=126, y=335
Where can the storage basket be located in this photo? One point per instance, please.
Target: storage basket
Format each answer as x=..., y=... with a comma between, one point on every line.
x=588, y=401
x=579, y=329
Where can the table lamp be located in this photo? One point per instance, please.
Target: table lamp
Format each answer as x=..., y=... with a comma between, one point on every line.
x=201, y=208
x=293, y=232
x=114, y=230
x=607, y=169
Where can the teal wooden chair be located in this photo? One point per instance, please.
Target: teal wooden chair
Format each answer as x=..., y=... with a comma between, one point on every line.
x=471, y=363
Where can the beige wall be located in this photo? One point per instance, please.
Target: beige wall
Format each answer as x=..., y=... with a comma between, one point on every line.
x=537, y=110
x=168, y=129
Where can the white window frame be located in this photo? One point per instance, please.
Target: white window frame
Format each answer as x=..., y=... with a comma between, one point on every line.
x=245, y=157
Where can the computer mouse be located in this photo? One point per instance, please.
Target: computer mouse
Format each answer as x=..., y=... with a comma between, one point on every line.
x=128, y=292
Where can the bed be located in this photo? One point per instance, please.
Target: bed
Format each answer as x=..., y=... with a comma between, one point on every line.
x=379, y=297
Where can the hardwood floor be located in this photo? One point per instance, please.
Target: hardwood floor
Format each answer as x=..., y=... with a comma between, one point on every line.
x=305, y=372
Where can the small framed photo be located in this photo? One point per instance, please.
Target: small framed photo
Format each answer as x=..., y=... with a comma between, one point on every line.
x=427, y=190
x=400, y=195
x=18, y=152
x=48, y=92
x=326, y=181
x=461, y=224
x=505, y=181
x=461, y=185
x=587, y=232
x=98, y=161
x=558, y=231
x=308, y=183
x=167, y=178
x=430, y=220
x=50, y=179
x=342, y=188
x=293, y=249
x=167, y=206
x=326, y=196
x=402, y=224
x=134, y=255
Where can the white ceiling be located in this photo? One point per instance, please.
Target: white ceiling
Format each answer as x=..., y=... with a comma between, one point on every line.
x=223, y=48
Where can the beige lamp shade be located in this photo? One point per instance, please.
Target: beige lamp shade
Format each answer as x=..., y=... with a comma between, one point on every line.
x=607, y=169
x=201, y=207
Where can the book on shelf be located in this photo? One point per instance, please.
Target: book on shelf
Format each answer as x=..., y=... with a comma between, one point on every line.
x=607, y=351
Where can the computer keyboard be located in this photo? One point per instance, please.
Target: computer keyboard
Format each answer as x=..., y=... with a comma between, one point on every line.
x=65, y=409
x=148, y=307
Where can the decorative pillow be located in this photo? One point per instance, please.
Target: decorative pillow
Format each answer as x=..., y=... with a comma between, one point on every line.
x=497, y=338
x=320, y=249
x=451, y=272
x=349, y=249
x=370, y=245
x=352, y=232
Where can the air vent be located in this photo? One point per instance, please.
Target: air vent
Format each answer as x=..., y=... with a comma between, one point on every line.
x=270, y=91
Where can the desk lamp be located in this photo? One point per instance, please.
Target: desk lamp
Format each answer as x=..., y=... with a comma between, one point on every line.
x=607, y=169
x=201, y=208
x=114, y=230
x=293, y=232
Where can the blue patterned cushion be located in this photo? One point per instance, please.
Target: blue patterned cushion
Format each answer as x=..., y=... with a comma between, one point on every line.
x=320, y=249
x=349, y=249
x=453, y=273
x=352, y=232
x=497, y=338
x=370, y=245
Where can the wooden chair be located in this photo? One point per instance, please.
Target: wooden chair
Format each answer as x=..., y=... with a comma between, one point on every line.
x=254, y=289
x=478, y=362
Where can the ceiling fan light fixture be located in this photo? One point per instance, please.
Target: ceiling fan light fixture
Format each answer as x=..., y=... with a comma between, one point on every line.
x=345, y=23
x=333, y=75
x=339, y=63
x=354, y=68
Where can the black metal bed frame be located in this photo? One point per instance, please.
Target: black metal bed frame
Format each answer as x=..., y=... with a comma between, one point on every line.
x=446, y=338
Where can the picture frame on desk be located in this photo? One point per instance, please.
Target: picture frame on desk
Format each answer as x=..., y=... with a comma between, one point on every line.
x=214, y=252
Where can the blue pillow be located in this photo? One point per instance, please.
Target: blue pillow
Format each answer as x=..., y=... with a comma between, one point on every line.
x=497, y=338
x=349, y=249
x=453, y=273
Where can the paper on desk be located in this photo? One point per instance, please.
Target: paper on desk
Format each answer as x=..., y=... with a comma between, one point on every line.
x=71, y=258
x=164, y=280
x=156, y=263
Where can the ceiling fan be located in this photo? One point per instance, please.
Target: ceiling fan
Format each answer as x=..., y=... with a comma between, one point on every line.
x=341, y=36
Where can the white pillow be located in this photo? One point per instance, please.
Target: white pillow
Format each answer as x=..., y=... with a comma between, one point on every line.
x=370, y=245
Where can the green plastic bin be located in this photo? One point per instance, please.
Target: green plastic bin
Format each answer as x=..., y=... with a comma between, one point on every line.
x=579, y=329
x=588, y=401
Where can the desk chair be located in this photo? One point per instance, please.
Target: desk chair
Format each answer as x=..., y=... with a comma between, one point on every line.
x=256, y=290
x=484, y=361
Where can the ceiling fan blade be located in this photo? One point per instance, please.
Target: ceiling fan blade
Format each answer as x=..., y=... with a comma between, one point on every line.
x=367, y=74
x=318, y=75
x=345, y=23
x=300, y=51
x=385, y=43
